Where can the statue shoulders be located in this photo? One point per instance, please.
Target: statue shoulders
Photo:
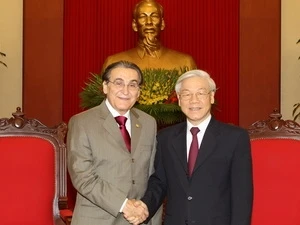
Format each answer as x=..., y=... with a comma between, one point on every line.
x=175, y=52
x=181, y=59
x=168, y=59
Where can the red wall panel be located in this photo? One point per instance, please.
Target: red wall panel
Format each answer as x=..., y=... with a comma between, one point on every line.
x=207, y=30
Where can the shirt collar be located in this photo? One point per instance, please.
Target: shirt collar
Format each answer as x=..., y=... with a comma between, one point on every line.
x=202, y=126
x=114, y=112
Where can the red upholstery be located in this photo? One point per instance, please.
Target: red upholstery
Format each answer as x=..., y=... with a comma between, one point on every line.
x=66, y=215
x=33, y=187
x=30, y=175
x=275, y=147
x=276, y=174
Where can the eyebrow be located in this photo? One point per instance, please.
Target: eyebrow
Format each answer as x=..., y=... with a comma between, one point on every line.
x=134, y=80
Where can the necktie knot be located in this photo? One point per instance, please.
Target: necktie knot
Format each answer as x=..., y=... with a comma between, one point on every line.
x=194, y=130
x=121, y=120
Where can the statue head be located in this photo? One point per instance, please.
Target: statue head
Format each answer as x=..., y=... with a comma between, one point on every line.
x=148, y=20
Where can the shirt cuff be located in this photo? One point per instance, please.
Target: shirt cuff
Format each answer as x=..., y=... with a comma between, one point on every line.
x=123, y=205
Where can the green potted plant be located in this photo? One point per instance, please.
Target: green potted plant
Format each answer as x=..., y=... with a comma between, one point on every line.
x=157, y=97
x=296, y=110
x=2, y=54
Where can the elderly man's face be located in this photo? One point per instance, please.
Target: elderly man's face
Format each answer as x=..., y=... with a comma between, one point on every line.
x=122, y=90
x=148, y=21
x=195, y=99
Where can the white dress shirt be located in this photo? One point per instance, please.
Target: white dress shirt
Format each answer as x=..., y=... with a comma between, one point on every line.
x=115, y=113
x=202, y=127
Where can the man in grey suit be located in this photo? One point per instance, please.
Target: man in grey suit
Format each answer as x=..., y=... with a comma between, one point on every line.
x=202, y=166
x=106, y=169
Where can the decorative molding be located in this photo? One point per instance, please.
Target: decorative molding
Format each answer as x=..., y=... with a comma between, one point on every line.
x=19, y=122
x=274, y=126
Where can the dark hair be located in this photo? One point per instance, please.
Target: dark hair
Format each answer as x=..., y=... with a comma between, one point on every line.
x=122, y=64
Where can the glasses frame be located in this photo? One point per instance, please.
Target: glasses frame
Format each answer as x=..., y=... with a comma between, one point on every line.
x=120, y=84
x=199, y=95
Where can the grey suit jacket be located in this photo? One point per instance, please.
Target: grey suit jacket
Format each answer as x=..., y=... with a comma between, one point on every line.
x=102, y=170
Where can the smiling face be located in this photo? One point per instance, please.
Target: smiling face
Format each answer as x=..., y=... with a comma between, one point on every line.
x=122, y=90
x=195, y=99
x=148, y=21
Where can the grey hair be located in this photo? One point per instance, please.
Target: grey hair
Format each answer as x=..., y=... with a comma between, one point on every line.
x=195, y=73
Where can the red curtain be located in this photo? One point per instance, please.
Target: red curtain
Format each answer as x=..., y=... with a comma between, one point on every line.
x=207, y=30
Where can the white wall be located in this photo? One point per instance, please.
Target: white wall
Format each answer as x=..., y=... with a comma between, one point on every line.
x=290, y=51
x=11, y=30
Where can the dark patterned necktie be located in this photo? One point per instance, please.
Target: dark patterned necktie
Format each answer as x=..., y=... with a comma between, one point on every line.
x=121, y=120
x=193, y=150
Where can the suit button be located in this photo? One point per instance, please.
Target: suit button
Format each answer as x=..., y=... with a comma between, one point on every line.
x=133, y=181
x=132, y=160
x=190, y=198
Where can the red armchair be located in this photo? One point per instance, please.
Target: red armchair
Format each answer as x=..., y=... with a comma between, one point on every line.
x=33, y=172
x=275, y=146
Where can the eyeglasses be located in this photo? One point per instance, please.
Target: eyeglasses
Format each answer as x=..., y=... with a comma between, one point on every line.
x=120, y=84
x=200, y=95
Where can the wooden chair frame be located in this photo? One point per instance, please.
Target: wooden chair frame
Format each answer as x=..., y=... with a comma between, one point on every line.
x=273, y=130
x=275, y=127
x=19, y=125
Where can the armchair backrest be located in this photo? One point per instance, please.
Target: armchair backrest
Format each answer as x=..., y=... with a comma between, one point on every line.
x=33, y=171
x=275, y=147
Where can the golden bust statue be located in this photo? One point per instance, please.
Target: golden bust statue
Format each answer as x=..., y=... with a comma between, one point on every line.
x=148, y=22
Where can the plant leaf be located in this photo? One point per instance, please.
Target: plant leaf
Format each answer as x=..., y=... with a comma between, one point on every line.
x=295, y=113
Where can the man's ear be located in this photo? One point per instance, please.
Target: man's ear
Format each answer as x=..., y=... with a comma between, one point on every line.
x=212, y=97
x=139, y=93
x=104, y=86
x=163, y=25
x=134, y=26
x=179, y=102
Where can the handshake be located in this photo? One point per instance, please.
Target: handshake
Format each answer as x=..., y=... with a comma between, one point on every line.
x=135, y=211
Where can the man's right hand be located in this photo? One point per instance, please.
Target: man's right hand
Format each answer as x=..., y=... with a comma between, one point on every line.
x=135, y=211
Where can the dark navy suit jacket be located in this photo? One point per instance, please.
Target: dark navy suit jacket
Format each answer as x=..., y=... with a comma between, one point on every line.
x=220, y=190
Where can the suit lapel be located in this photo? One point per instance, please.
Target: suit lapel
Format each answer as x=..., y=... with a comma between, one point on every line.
x=179, y=146
x=208, y=144
x=207, y=147
x=180, y=155
x=136, y=128
x=110, y=125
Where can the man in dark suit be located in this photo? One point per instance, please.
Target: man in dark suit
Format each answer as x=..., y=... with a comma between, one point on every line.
x=217, y=189
x=106, y=168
